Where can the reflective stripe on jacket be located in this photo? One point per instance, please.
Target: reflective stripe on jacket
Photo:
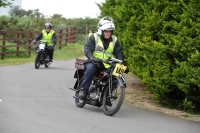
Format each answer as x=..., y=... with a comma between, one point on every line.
x=100, y=52
x=47, y=37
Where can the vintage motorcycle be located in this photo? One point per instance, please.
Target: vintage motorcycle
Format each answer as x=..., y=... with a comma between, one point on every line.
x=107, y=88
x=42, y=58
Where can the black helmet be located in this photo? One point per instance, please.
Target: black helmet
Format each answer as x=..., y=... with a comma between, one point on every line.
x=48, y=25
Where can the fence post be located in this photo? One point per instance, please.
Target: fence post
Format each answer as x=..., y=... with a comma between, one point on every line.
x=67, y=36
x=29, y=42
x=74, y=34
x=72, y=37
x=71, y=34
x=18, y=43
x=60, y=38
x=3, y=48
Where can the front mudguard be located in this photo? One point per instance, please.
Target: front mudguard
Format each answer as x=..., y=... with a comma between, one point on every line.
x=122, y=82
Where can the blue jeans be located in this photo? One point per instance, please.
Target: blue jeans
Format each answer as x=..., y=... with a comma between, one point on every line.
x=90, y=72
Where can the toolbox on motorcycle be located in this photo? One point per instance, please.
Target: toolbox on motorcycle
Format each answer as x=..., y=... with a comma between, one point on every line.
x=79, y=64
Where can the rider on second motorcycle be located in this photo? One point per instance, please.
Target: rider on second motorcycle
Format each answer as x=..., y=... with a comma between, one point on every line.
x=49, y=35
x=100, y=46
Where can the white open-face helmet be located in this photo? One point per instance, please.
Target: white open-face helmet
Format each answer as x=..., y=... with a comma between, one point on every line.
x=106, y=23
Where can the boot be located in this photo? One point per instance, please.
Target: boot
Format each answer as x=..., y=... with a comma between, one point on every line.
x=50, y=60
x=83, y=94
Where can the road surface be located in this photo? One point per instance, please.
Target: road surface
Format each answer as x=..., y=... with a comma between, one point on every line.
x=40, y=101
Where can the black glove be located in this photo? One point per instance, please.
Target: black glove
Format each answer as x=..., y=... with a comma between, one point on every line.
x=94, y=59
x=33, y=42
x=127, y=70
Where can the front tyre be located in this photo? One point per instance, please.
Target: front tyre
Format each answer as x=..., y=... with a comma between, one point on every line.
x=112, y=103
x=47, y=63
x=37, y=60
x=79, y=103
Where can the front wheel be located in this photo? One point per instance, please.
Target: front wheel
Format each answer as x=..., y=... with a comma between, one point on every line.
x=37, y=60
x=112, y=103
x=47, y=63
x=79, y=103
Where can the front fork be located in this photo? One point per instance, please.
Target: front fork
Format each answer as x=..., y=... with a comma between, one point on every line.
x=41, y=53
x=121, y=80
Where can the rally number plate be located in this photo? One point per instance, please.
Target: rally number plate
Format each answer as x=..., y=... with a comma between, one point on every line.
x=119, y=69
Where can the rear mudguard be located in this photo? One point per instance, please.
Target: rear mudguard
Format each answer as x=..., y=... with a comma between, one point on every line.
x=78, y=75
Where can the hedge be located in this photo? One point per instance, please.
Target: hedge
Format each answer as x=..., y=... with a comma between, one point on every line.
x=161, y=42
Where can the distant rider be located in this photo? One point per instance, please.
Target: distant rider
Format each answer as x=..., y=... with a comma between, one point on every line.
x=49, y=35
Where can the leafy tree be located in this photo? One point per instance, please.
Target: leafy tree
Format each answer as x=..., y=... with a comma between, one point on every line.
x=56, y=16
x=81, y=24
x=16, y=11
x=5, y=3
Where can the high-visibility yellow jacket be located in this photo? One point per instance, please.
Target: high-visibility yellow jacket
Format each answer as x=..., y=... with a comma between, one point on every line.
x=100, y=52
x=47, y=37
x=90, y=34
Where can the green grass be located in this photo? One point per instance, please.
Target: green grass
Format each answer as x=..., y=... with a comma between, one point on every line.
x=69, y=51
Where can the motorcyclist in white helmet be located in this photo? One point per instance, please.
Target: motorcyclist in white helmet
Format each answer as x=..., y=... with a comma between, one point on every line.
x=100, y=46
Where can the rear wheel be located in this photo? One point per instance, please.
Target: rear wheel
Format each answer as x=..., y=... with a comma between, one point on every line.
x=112, y=103
x=79, y=103
x=37, y=60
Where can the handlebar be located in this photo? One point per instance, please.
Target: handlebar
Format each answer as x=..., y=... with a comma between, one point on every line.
x=111, y=60
x=43, y=41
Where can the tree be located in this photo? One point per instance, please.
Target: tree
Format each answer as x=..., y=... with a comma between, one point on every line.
x=57, y=16
x=5, y=3
x=15, y=11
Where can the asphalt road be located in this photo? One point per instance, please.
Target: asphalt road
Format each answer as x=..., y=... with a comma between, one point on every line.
x=39, y=101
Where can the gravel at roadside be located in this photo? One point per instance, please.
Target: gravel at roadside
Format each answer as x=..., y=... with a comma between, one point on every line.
x=137, y=95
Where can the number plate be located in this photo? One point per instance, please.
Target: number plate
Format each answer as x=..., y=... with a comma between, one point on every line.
x=41, y=46
x=119, y=69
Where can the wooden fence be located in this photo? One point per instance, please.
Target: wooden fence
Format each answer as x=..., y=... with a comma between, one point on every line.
x=18, y=39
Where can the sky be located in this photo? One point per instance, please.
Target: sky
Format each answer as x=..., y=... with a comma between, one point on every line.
x=67, y=8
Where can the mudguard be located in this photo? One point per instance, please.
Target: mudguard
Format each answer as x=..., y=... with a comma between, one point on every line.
x=122, y=82
x=78, y=75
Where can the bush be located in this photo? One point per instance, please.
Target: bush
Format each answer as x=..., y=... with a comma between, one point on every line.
x=161, y=44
